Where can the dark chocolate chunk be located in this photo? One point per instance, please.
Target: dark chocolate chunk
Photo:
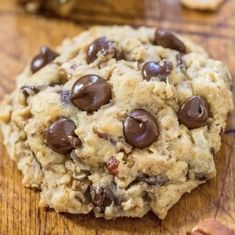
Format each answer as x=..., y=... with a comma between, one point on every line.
x=45, y=57
x=152, y=180
x=159, y=70
x=194, y=112
x=167, y=39
x=101, y=197
x=60, y=136
x=140, y=128
x=104, y=46
x=90, y=92
x=112, y=166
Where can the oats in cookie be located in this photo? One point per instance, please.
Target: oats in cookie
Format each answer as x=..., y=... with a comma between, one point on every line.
x=118, y=121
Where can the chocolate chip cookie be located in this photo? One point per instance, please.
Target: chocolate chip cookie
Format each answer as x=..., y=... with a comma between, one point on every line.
x=203, y=5
x=60, y=7
x=118, y=121
x=211, y=227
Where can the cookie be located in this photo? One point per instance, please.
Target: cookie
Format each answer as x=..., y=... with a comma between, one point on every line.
x=118, y=121
x=210, y=5
x=63, y=8
x=211, y=227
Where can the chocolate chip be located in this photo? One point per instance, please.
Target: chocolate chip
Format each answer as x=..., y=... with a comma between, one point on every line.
x=167, y=39
x=60, y=136
x=104, y=46
x=140, y=128
x=90, y=92
x=101, y=197
x=159, y=70
x=152, y=180
x=194, y=112
x=30, y=90
x=45, y=57
x=112, y=166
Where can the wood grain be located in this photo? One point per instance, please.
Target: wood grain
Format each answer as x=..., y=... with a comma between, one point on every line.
x=21, y=36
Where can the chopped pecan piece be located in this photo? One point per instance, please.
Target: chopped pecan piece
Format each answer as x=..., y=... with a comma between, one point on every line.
x=112, y=166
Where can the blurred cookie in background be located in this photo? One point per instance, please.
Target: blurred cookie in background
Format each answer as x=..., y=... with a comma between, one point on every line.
x=211, y=227
x=61, y=7
x=204, y=5
x=88, y=10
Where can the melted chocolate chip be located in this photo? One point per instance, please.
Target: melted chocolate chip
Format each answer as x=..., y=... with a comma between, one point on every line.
x=140, y=129
x=167, y=39
x=104, y=46
x=45, y=57
x=101, y=197
x=194, y=112
x=90, y=92
x=60, y=136
x=30, y=90
x=154, y=69
x=112, y=166
x=152, y=180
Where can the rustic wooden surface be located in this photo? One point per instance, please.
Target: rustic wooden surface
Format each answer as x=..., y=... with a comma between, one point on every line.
x=20, y=37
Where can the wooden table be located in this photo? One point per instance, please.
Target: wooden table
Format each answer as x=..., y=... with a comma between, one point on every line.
x=20, y=38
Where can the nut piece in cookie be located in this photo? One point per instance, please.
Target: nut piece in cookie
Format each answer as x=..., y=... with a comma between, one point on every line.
x=203, y=5
x=112, y=166
x=211, y=227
